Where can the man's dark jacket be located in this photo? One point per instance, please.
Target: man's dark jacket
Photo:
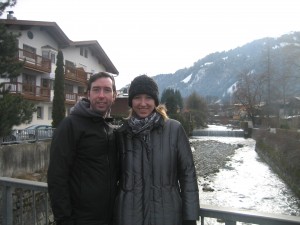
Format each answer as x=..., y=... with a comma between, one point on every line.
x=82, y=174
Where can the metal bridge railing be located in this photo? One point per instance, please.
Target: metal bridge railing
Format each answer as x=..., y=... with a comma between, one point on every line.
x=27, y=202
x=24, y=202
x=231, y=216
x=27, y=135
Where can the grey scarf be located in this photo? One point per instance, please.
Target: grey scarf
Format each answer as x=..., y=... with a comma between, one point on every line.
x=143, y=126
x=141, y=129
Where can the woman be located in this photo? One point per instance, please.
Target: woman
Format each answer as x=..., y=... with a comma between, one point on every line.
x=158, y=183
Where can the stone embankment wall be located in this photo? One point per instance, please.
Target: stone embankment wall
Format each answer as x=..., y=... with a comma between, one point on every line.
x=281, y=150
x=24, y=158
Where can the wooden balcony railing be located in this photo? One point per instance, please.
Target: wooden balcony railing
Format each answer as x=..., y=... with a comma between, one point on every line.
x=28, y=91
x=34, y=61
x=75, y=74
x=41, y=64
x=33, y=92
x=72, y=98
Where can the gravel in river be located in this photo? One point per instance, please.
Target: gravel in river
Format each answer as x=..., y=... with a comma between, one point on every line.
x=210, y=156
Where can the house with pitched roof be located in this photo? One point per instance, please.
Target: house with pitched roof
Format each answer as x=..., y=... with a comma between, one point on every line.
x=39, y=43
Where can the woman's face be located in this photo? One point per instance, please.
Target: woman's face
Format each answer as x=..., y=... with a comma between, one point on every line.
x=143, y=105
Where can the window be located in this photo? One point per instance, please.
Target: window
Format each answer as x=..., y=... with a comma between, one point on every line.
x=29, y=51
x=29, y=79
x=50, y=113
x=53, y=57
x=13, y=79
x=45, y=54
x=84, y=52
x=45, y=83
x=70, y=64
x=49, y=55
x=29, y=83
x=39, y=112
x=29, y=34
x=68, y=88
x=81, y=90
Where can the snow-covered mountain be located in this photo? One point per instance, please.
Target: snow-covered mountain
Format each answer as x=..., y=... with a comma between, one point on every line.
x=216, y=75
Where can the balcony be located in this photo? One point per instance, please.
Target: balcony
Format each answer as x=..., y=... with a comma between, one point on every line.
x=28, y=91
x=27, y=202
x=41, y=64
x=72, y=98
x=77, y=75
x=37, y=93
x=34, y=61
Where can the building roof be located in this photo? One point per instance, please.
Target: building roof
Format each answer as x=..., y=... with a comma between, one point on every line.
x=63, y=41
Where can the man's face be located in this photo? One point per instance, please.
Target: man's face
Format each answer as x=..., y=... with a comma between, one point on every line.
x=101, y=95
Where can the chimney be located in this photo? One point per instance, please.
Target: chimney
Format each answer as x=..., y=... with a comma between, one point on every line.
x=10, y=15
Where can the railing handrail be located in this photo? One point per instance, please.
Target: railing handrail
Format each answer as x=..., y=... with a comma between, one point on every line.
x=27, y=135
x=21, y=183
x=229, y=215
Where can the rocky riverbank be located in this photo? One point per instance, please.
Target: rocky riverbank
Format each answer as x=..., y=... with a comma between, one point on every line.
x=210, y=156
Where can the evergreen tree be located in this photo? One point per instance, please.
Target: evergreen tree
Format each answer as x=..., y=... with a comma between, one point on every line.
x=58, y=109
x=171, y=105
x=174, y=104
x=179, y=99
x=7, y=3
x=166, y=93
x=9, y=66
x=172, y=99
x=197, y=109
x=14, y=110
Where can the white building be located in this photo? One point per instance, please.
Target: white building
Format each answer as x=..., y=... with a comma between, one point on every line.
x=39, y=44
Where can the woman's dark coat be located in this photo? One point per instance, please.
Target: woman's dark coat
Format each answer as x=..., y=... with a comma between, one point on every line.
x=158, y=185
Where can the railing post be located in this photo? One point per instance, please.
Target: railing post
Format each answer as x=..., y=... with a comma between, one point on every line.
x=36, y=133
x=33, y=207
x=202, y=220
x=7, y=207
x=47, y=208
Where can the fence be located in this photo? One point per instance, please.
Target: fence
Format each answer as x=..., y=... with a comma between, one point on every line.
x=33, y=207
x=27, y=135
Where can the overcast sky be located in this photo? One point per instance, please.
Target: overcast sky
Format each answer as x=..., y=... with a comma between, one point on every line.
x=161, y=36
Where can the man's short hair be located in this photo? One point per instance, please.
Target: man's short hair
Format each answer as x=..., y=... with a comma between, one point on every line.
x=96, y=76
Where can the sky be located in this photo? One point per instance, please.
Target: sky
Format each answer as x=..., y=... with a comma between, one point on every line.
x=162, y=36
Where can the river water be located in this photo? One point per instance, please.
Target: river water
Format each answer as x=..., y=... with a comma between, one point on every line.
x=246, y=182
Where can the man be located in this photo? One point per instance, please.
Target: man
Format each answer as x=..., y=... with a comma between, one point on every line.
x=82, y=174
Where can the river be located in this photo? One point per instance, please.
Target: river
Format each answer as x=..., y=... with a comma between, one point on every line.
x=245, y=181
